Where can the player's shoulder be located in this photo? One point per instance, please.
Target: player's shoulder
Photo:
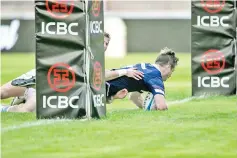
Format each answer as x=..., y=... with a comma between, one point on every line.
x=151, y=72
x=144, y=66
x=153, y=69
x=149, y=69
x=150, y=66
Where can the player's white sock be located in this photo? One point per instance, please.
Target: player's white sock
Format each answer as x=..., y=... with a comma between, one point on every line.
x=4, y=108
x=29, y=92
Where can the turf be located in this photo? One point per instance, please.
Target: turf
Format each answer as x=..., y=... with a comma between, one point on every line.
x=194, y=128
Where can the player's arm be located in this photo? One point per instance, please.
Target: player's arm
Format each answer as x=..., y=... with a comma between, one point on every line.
x=156, y=86
x=160, y=102
x=137, y=99
x=110, y=75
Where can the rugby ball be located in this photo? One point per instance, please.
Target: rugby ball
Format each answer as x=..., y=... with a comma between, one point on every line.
x=148, y=103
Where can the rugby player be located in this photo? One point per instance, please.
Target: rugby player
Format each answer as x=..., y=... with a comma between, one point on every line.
x=25, y=98
x=154, y=76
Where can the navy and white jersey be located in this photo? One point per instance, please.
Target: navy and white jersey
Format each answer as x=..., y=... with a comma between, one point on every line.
x=151, y=82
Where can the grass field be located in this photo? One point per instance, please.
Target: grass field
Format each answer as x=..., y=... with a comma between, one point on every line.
x=191, y=128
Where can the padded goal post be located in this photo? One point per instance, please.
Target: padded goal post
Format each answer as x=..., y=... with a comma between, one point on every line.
x=213, y=47
x=65, y=69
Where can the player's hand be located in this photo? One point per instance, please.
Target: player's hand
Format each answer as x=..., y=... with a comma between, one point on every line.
x=121, y=94
x=132, y=72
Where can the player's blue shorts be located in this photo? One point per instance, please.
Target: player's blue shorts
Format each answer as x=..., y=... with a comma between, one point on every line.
x=110, y=90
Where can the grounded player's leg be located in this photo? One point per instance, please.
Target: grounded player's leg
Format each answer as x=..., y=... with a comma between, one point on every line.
x=137, y=99
x=7, y=91
x=28, y=106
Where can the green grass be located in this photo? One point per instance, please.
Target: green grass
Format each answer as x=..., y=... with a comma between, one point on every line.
x=200, y=128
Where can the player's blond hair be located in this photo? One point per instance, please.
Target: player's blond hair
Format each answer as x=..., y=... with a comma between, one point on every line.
x=167, y=56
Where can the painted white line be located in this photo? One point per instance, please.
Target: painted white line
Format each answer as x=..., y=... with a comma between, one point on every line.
x=47, y=122
x=185, y=100
x=35, y=123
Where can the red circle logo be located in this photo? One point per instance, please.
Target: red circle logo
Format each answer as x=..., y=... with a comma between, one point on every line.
x=61, y=78
x=95, y=7
x=213, y=61
x=60, y=8
x=213, y=6
x=97, y=76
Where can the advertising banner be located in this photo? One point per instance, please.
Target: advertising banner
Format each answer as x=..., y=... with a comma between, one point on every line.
x=213, y=47
x=96, y=55
x=60, y=58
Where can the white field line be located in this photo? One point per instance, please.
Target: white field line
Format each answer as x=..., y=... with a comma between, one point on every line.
x=185, y=100
x=47, y=122
x=35, y=123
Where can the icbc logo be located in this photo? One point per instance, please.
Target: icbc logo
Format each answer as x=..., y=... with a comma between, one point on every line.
x=97, y=76
x=60, y=8
x=213, y=6
x=95, y=7
x=61, y=78
x=95, y=27
x=213, y=61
